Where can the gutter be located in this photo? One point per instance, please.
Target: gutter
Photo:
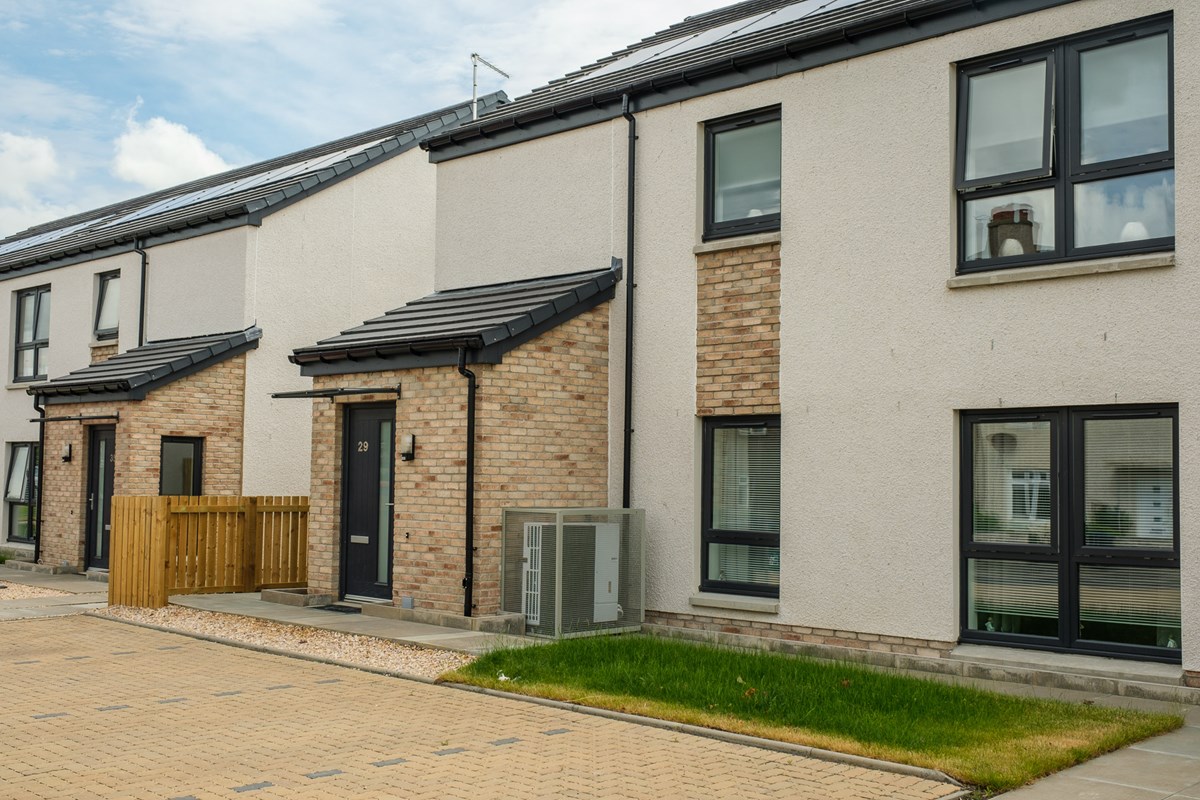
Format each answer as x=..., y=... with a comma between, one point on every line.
x=469, y=512
x=630, y=231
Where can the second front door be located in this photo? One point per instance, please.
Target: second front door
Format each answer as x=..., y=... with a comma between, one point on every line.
x=101, y=463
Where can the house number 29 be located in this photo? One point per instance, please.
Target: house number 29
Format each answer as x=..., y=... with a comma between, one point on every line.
x=363, y=446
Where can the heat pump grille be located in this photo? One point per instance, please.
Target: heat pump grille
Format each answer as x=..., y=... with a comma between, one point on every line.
x=574, y=572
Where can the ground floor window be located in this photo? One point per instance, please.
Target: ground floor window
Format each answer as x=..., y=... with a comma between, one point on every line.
x=740, y=535
x=20, y=490
x=182, y=466
x=1070, y=531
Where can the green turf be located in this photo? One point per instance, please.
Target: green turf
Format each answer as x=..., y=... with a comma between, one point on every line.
x=989, y=740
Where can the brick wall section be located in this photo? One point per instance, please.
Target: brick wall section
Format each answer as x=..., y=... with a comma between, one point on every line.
x=737, y=331
x=541, y=439
x=103, y=351
x=1192, y=679
x=208, y=404
x=798, y=633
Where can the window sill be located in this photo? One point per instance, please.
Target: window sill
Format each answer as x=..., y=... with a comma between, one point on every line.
x=1069, y=270
x=102, y=342
x=23, y=385
x=734, y=602
x=734, y=242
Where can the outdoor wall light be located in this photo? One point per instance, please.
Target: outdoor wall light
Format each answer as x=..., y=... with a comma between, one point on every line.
x=408, y=447
x=66, y=452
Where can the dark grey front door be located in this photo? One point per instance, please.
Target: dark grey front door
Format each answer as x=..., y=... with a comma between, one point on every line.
x=101, y=464
x=367, y=489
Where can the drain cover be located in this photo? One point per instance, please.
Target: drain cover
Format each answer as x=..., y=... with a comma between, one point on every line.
x=340, y=608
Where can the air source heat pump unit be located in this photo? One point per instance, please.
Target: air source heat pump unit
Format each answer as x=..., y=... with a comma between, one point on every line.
x=574, y=572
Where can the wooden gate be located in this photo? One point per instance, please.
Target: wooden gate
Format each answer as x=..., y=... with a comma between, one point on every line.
x=188, y=545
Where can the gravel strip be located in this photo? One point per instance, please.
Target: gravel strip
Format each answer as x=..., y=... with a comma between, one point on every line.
x=19, y=591
x=350, y=648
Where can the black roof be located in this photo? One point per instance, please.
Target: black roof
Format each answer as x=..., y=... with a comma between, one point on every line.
x=134, y=373
x=238, y=196
x=487, y=321
x=732, y=46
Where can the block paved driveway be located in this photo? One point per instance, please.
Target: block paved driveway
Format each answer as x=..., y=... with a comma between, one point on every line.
x=99, y=709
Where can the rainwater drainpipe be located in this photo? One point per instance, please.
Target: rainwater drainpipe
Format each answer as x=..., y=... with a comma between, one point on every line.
x=468, y=578
x=627, y=448
x=137, y=248
x=41, y=471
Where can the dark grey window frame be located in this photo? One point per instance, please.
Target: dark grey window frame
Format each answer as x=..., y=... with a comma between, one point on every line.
x=197, y=473
x=32, y=484
x=1063, y=169
x=104, y=333
x=723, y=230
x=34, y=344
x=709, y=534
x=1066, y=549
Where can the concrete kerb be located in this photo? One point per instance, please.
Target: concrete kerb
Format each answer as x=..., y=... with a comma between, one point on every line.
x=678, y=727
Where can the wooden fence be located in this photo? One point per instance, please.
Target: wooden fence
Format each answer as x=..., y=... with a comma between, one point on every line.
x=161, y=546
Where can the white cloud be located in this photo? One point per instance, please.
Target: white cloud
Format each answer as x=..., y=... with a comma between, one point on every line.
x=236, y=21
x=29, y=165
x=26, y=162
x=160, y=153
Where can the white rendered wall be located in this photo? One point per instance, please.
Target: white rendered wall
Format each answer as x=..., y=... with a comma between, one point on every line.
x=195, y=286
x=547, y=207
x=72, y=319
x=346, y=254
x=878, y=355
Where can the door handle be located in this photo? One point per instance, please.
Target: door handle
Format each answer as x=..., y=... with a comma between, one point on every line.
x=91, y=502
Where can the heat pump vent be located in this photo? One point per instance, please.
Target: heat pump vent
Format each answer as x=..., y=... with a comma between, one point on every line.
x=531, y=576
x=574, y=572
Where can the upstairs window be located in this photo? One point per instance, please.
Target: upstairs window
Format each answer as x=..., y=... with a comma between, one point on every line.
x=742, y=161
x=1066, y=151
x=108, y=300
x=33, y=334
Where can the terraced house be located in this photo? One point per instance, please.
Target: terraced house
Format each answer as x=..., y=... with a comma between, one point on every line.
x=150, y=335
x=902, y=354
x=898, y=358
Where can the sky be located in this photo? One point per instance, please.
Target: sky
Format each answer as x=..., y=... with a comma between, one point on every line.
x=106, y=100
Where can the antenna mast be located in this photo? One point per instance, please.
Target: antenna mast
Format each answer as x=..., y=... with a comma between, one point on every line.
x=476, y=60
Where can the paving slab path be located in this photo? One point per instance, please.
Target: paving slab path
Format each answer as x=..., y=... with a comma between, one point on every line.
x=107, y=710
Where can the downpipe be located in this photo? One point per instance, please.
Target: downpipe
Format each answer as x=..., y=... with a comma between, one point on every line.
x=469, y=577
x=631, y=172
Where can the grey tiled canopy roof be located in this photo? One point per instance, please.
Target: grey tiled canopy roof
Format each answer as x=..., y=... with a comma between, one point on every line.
x=134, y=373
x=487, y=321
x=732, y=46
x=237, y=196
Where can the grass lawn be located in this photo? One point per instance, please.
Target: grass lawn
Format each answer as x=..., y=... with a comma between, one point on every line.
x=992, y=741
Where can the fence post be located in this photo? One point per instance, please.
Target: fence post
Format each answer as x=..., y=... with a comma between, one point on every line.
x=249, y=544
x=159, y=533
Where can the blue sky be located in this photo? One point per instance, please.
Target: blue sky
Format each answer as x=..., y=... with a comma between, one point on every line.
x=101, y=101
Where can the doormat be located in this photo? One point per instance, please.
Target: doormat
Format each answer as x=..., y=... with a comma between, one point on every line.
x=339, y=608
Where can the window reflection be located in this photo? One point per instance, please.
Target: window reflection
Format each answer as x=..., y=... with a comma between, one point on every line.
x=1010, y=225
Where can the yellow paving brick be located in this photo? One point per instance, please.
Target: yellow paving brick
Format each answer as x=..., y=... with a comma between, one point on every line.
x=239, y=718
